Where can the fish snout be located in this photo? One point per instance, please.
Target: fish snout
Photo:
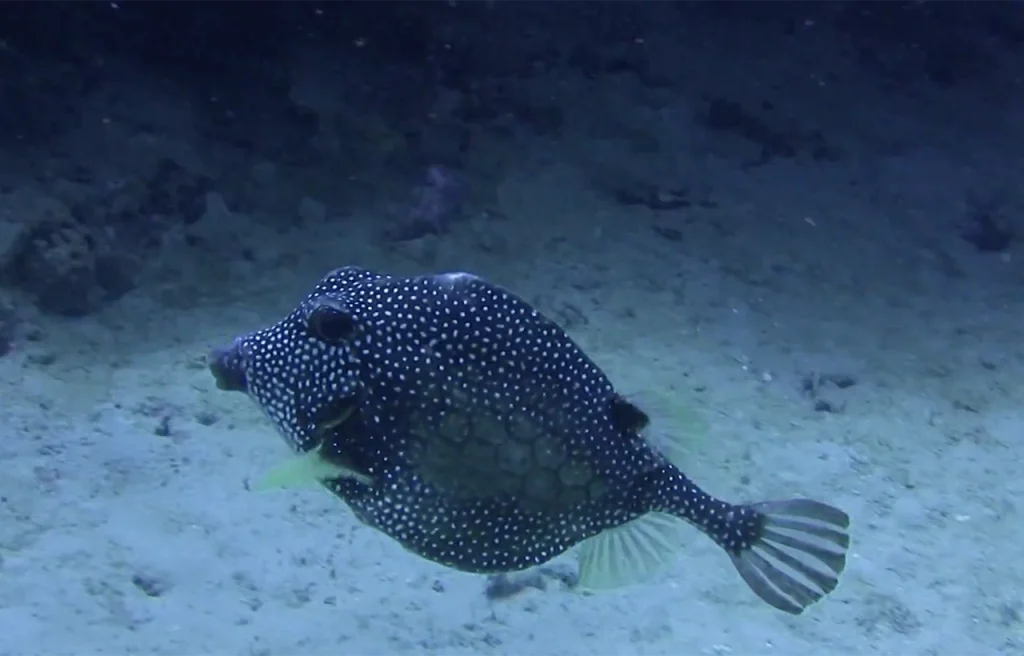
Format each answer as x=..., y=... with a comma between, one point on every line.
x=228, y=368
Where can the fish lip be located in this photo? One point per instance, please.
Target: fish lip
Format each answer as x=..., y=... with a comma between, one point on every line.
x=227, y=365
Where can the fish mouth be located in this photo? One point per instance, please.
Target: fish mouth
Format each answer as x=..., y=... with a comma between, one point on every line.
x=227, y=367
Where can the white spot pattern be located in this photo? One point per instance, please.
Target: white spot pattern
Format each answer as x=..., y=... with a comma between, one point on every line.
x=416, y=343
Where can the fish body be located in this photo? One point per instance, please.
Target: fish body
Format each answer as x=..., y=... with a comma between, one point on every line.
x=454, y=417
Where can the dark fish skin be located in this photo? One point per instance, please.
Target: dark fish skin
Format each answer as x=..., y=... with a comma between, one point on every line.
x=483, y=438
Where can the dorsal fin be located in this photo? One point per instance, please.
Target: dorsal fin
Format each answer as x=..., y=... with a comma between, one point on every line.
x=626, y=416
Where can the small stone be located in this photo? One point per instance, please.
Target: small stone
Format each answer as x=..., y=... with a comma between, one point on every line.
x=824, y=405
x=842, y=381
x=44, y=359
x=206, y=418
x=151, y=586
x=163, y=428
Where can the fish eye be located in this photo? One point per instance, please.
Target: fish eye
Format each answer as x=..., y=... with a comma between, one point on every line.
x=330, y=322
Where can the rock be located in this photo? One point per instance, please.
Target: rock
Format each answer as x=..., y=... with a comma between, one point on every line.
x=215, y=208
x=264, y=173
x=825, y=389
x=311, y=211
x=423, y=251
x=218, y=227
x=140, y=212
x=506, y=586
x=27, y=206
x=488, y=237
x=66, y=268
x=8, y=328
x=9, y=231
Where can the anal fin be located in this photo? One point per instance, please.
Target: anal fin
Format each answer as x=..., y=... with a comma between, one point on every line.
x=631, y=553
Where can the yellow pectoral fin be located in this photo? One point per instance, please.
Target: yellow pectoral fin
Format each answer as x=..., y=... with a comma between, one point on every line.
x=307, y=469
x=683, y=432
x=689, y=431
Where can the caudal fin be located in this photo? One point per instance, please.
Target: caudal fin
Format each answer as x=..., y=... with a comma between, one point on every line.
x=798, y=555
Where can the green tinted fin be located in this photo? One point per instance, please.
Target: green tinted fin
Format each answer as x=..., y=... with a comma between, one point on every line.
x=685, y=431
x=680, y=430
x=306, y=469
x=631, y=553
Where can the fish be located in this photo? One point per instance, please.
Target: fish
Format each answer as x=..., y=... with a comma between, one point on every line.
x=457, y=419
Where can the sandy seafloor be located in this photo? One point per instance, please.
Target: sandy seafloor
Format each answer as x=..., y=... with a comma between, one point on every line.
x=117, y=537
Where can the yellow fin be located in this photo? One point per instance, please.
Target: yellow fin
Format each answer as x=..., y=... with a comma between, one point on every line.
x=631, y=553
x=679, y=429
x=306, y=469
x=687, y=429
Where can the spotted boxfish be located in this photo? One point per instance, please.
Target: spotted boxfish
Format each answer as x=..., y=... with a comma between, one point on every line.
x=454, y=417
